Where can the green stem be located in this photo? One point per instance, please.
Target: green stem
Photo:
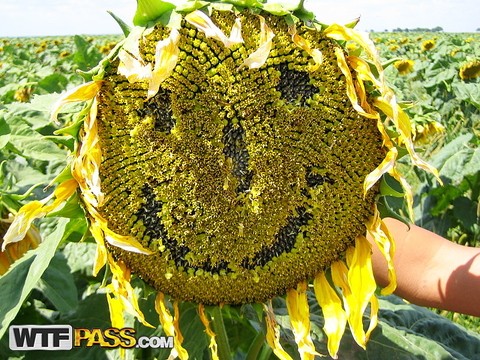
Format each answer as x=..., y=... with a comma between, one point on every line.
x=221, y=334
x=256, y=347
x=265, y=353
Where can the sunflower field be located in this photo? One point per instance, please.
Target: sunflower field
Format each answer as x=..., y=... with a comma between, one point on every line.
x=51, y=276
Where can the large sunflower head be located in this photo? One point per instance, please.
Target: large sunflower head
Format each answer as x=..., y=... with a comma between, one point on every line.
x=230, y=152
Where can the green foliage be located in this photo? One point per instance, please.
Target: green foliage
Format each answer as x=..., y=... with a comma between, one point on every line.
x=54, y=284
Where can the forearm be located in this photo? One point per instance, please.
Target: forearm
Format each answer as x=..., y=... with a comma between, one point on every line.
x=432, y=271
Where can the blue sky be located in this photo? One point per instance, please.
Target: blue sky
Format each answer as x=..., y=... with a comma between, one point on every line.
x=69, y=17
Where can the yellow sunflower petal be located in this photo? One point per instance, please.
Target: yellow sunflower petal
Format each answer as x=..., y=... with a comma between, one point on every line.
x=132, y=68
x=339, y=32
x=333, y=313
x=316, y=54
x=102, y=233
x=393, y=111
x=406, y=189
x=385, y=166
x=373, y=316
x=131, y=64
x=363, y=70
x=170, y=326
x=166, y=56
x=82, y=92
x=128, y=243
x=362, y=94
x=202, y=22
x=402, y=122
x=115, y=307
x=384, y=240
x=123, y=291
x=351, y=91
x=62, y=192
x=86, y=165
x=298, y=310
x=208, y=330
x=362, y=285
x=101, y=251
x=259, y=56
x=176, y=322
x=340, y=276
x=273, y=333
x=385, y=137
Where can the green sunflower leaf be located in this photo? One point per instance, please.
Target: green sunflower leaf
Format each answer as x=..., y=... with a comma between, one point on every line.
x=58, y=286
x=150, y=10
x=467, y=92
x=391, y=187
x=123, y=25
x=31, y=144
x=190, y=6
x=4, y=133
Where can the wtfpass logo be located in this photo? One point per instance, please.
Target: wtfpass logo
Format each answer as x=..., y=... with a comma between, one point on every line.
x=64, y=337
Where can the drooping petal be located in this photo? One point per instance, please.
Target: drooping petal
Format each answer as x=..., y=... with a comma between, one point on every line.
x=333, y=313
x=133, y=68
x=101, y=251
x=82, y=92
x=364, y=73
x=128, y=243
x=115, y=307
x=298, y=310
x=402, y=122
x=339, y=32
x=62, y=192
x=363, y=70
x=122, y=291
x=170, y=326
x=273, y=333
x=166, y=56
x=202, y=22
x=86, y=165
x=384, y=240
x=176, y=325
x=256, y=59
x=385, y=166
x=316, y=54
x=387, y=142
x=103, y=233
x=373, y=316
x=340, y=276
x=131, y=64
x=213, y=343
x=406, y=189
x=362, y=285
x=390, y=108
x=351, y=91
